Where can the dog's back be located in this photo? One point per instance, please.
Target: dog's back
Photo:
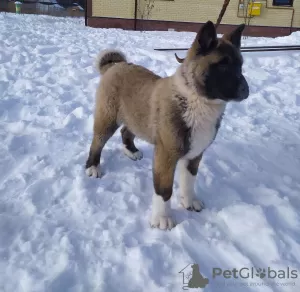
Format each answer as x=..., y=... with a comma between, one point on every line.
x=125, y=91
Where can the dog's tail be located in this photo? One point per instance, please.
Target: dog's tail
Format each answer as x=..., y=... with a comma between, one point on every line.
x=108, y=58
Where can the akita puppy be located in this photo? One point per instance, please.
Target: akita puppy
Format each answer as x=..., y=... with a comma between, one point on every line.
x=180, y=114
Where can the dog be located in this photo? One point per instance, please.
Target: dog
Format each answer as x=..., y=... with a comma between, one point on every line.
x=180, y=114
x=197, y=280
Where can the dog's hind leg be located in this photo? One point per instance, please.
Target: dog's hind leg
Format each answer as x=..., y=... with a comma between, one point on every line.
x=128, y=142
x=104, y=127
x=188, y=171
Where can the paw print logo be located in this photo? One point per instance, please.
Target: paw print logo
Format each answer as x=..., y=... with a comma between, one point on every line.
x=261, y=273
x=188, y=275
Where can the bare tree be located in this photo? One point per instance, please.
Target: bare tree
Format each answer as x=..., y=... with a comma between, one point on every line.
x=145, y=8
x=222, y=12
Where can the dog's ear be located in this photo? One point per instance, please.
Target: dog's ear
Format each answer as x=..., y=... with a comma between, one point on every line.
x=207, y=38
x=235, y=36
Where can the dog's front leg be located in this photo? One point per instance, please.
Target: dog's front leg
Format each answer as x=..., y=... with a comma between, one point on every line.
x=163, y=178
x=188, y=172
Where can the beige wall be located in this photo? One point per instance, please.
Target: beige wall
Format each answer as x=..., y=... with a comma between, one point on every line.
x=113, y=8
x=198, y=11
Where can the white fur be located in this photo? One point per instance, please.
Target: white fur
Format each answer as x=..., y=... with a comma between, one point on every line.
x=161, y=213
x=186, y=186
x=138, y=155
x=201, y=116
x=93, y=171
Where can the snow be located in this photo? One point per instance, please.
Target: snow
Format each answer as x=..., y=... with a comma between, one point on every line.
x=63, y=231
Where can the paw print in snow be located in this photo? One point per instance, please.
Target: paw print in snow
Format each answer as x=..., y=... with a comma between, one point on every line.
x=261, y=273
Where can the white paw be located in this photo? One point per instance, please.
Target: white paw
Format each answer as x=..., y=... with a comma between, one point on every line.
x=192, y=205
x=93, y=171
x=162, y=222
x=138, y=155
x=161, y=214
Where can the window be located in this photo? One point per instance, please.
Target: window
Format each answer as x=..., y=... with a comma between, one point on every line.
x=283, y=2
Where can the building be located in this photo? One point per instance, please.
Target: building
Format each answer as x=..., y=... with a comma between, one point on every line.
x=263, y=18
x=48, y=7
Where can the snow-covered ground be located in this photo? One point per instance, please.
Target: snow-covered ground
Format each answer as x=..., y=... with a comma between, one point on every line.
x=62, y=231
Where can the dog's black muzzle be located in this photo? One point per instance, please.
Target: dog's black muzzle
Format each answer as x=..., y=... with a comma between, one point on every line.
x=243, y=90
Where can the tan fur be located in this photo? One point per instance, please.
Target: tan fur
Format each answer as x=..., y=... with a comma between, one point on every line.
x=131, y=95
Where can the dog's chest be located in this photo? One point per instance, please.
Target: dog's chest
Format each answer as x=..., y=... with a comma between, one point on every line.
x=203, y=132
x=200, y=139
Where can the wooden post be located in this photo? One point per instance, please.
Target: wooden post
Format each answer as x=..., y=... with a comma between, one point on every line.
x=85, y=13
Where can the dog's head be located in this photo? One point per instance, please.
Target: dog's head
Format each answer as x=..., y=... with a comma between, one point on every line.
x=215, y=68
x=195, y=267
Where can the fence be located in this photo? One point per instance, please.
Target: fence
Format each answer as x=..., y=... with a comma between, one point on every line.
x=48, y=7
